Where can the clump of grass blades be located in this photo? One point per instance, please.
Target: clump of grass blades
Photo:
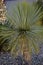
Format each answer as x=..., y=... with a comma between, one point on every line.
x=21, y=29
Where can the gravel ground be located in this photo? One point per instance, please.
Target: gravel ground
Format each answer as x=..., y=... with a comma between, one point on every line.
x=7, y=59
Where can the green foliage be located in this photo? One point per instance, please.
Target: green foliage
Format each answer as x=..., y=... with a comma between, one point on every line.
x=39, y=3
x=22, y=29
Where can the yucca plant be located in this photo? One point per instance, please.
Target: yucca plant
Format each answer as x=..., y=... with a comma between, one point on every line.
x=21, y=32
